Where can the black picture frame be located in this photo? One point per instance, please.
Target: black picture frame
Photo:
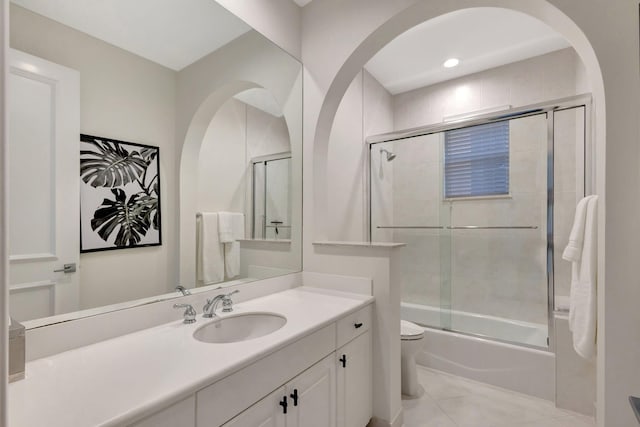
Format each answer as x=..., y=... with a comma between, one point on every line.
x=119, y=194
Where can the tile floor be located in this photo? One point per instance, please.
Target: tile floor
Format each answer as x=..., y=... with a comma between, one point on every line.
x=451, y=401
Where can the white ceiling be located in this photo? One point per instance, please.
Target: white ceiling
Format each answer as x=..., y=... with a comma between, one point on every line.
x=177, y=33
x=261, y=99
x=481, y=38
x=169, y=32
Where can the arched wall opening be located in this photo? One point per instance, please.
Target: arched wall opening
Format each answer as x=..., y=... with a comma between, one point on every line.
x=189, y=165
x=372, y=42
x=191, y=172
x=404, y=21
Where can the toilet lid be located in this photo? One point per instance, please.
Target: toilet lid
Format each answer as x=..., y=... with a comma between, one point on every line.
x=410, y=330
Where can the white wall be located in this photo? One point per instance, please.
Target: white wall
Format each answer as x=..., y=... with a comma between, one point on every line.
x=125, y=97
x=222, y=163
x=366, y=109
x=237, y=134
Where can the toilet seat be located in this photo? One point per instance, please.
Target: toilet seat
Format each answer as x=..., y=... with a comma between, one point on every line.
x=410, y=331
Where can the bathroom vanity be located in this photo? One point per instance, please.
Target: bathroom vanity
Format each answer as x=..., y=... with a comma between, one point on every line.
x=313, y=370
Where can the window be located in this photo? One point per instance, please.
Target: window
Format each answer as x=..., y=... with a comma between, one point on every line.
x=476, y=161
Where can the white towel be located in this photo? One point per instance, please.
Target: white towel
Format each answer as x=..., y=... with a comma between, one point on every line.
x=583, y=294
x=232, y=247
x=573, y=250
x=210, y=255
x=225, y=226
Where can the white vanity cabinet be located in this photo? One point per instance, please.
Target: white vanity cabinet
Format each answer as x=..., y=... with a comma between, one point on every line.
x=308, y=400
x=354, y=391
x=311, y=396
x=266, y=413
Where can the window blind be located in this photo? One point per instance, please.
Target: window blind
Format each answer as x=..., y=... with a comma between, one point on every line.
x=476, y=161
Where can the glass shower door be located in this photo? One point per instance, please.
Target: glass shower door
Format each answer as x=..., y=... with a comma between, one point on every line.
x=272, y=199
x=278, y=199
x=406, y=207
x=499, y=263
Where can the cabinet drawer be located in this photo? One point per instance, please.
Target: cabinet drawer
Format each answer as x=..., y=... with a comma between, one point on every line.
x=353, y=325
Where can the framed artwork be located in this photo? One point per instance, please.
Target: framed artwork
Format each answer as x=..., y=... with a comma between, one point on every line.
x=119, y=194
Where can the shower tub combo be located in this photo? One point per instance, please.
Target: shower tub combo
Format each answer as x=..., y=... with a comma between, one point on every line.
x=476, y=203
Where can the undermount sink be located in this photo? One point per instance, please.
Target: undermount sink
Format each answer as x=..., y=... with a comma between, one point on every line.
x=239, y=327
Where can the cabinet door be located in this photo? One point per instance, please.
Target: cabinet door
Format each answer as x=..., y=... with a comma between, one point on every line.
x=354, y=377
x=181, y=414
x=312, y=396
x=265, y=413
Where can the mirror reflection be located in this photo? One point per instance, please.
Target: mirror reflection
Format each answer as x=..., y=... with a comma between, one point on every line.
x=272, y=197
x=210, y=95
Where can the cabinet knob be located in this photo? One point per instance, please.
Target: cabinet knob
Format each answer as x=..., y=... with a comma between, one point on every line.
x=294, y=396
x=343, y=360
x=284, y=404
x=358, y=325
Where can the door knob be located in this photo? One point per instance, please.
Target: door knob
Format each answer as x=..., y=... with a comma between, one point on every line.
x=67, y=268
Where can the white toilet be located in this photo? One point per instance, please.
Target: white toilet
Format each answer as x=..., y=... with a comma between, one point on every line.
x=412, y=339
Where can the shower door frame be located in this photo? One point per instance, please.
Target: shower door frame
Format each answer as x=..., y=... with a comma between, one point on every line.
x=253, y=162
x=548, y=108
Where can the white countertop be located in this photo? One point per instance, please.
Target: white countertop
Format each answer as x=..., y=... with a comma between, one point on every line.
x=114, y=381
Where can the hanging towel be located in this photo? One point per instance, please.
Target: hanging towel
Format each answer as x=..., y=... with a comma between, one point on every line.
x=583, y=294
x=234, y=230
x=225, y=226
x=573, y=251
x=210, y=255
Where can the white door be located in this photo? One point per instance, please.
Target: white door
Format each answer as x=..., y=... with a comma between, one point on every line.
x=312, y=396
x=354, y=380
x=43, y=106
x=266, y=413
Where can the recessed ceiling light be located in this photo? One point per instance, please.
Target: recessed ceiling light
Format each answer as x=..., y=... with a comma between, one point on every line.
x=451, y=62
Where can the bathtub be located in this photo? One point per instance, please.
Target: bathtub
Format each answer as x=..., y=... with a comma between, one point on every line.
x=513, y=331
x=520, y=368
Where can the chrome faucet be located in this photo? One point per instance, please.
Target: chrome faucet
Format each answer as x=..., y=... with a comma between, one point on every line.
x=209, y=310
x=189, y=313
x=182, y=289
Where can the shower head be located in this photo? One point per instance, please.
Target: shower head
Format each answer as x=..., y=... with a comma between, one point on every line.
x=390, y=155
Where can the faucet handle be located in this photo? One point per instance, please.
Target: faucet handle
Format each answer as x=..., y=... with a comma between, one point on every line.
x=227, y=303
x=189, y=313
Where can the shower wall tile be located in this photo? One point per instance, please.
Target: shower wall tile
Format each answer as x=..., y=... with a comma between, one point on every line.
x=525, y=135
x=528, y=172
